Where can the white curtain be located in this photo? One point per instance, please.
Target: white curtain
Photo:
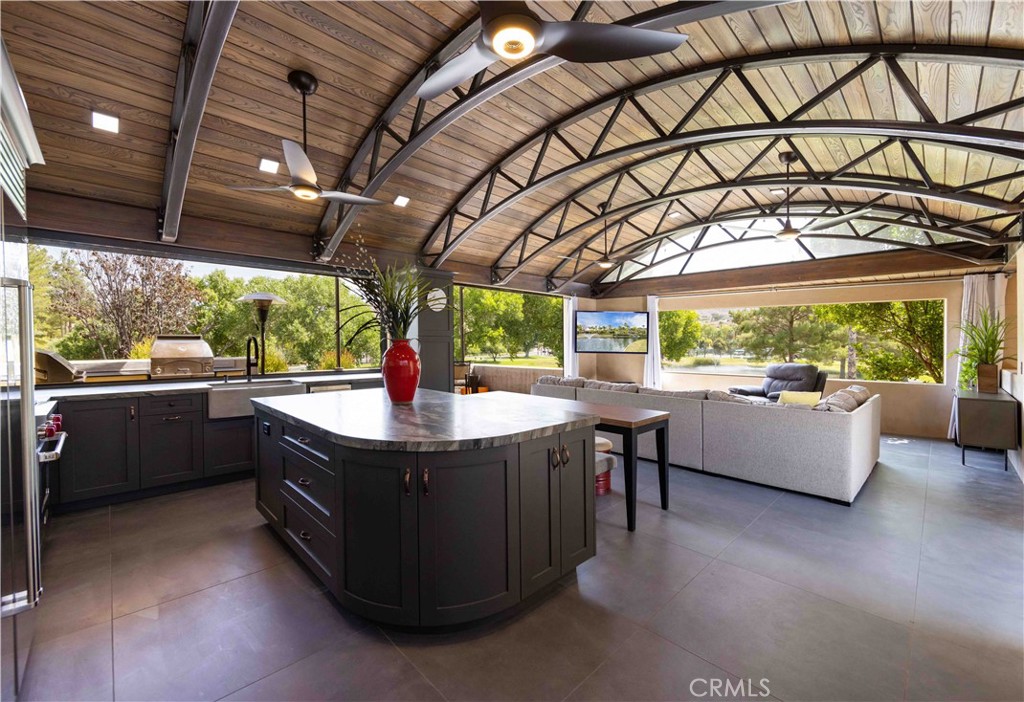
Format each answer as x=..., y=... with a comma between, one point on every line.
x=981, y=292
x=652, y=361
x=571, y=365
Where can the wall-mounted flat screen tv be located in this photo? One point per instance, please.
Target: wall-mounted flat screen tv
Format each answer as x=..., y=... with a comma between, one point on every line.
x=611, y=332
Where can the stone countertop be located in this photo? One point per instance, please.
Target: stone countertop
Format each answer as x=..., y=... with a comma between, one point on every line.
x=116, y=391
x=435, y=421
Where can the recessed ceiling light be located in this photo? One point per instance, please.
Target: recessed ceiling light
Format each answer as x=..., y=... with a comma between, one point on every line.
x=268, y=166
x=777, y=191
x=673, y=215
x=107, y=123
x=401, y=201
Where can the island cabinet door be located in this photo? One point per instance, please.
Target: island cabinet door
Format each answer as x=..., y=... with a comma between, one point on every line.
x=269, y=472
x=540, y=531
x=576, y=493
x=378, y=550
x=469, y=534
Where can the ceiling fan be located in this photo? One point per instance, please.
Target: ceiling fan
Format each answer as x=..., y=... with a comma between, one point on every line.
x=510, y=30
x=303, y=183
x=791, y=233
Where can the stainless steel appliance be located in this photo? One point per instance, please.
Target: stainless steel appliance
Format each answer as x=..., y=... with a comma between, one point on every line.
x=53, y=368
x=180, y=356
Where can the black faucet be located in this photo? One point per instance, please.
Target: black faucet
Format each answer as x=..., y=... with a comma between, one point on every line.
x=252, y=356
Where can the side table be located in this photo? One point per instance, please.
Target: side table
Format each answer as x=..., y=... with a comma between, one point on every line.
x=987, y=420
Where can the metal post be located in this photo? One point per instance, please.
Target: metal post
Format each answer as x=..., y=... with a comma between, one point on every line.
x=337, y=323
x=462, y=324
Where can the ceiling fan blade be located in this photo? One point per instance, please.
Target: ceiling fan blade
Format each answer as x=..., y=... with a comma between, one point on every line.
x=588, y=42
x=491, y=9
x=298, y=163
x=349, y=198
x=458, y=70
x=831, y=222
x=258, y=188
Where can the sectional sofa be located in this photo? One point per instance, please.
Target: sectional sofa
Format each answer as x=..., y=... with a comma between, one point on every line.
x=827, y=453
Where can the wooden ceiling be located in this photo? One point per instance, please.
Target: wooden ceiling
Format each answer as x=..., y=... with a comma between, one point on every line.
x=123, y=58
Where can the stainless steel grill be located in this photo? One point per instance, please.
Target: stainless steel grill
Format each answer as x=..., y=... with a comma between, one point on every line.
x=180, y=356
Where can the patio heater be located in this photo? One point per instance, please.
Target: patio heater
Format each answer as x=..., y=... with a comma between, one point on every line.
x=262, y=301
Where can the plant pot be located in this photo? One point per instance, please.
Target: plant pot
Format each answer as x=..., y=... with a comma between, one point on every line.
x=988, y=377
x=401, y=370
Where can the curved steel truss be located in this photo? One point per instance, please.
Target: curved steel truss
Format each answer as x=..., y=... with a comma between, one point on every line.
x=667, y=246
x=406, y=145
x=458, y=225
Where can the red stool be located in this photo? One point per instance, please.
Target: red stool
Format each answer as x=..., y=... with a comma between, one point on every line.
x=603, y=464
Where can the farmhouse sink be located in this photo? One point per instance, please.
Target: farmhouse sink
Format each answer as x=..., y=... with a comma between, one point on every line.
x=232, y=399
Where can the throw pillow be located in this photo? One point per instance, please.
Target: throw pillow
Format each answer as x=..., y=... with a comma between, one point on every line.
x=681, y=394
x=860, y=393
x=572, y=381
x=549, y=380
x=719, y=396
x=618, y=387
x=838, y=401
x=793, y=397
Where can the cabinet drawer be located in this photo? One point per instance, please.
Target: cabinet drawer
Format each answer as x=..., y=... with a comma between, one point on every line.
x=310, y=486
x=165, y=404
x=312, y=447
x=313, y=544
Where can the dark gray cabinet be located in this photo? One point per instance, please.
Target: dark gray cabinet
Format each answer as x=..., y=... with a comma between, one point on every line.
x=171, y=448
x=468, y=513
x=556, y=477
x=269, y=474
x=378, y=539
x=227, y=446
x=101, y=457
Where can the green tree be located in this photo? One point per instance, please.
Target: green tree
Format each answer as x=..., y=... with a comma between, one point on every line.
x=679, y=332
x=543, y=316
x=487, y=313
x=786, y=334
x=906, y=339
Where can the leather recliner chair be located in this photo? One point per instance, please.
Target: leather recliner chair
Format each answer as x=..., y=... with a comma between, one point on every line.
x=799, y=377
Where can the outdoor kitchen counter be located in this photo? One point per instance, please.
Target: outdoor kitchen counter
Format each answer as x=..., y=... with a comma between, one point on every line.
x=116, y=391
x=435, y=421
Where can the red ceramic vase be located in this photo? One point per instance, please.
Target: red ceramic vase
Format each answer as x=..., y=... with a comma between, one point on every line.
x=401, y=370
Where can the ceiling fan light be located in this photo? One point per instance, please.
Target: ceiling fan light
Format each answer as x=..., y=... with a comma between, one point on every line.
x=514, y=36
x=305, y=192
x=605, y=263
x=787, y=233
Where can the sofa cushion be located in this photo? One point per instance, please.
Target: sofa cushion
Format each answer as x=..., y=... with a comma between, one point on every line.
x=549, y=380
x=860, y=393
x=720, y=396
x=789, y=376
x=619, y=387
x=573, y=381
x=682, y=394
x=838, y=401
x=793, y=397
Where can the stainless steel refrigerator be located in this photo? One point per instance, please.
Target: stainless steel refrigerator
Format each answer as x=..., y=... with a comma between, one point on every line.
x=20, y=530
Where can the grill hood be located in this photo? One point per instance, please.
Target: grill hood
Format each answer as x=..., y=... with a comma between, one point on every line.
x=182, y=355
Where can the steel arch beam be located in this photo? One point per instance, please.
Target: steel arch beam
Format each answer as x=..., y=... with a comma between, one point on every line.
x=659, y=18
x=897, y=216
x=868, y=54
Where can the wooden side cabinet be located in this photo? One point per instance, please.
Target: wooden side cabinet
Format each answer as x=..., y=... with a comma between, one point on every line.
x=987, y=420
x=102, y=457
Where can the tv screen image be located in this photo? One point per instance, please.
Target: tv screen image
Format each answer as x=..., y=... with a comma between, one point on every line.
x=611, y=332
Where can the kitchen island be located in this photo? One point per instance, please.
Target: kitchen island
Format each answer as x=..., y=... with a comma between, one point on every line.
x=441, y=512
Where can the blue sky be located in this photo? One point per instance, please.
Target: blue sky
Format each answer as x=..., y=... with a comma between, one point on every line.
x=617, y=319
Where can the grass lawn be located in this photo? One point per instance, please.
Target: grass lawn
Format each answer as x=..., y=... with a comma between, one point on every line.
x=531, y=362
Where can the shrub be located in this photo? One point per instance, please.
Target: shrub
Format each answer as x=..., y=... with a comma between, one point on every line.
x=697, y=361
x=142, y=349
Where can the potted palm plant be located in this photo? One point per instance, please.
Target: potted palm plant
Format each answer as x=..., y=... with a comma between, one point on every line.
x=395, y=295
x=983, y=351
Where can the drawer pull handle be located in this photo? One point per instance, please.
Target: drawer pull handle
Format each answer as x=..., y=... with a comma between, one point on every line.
x=304, y=482
x=303, y=440
x=407, y=480
x=565, y=455
x=555, y=460
x=172, y=419
x=426, y=481
x=305, y=536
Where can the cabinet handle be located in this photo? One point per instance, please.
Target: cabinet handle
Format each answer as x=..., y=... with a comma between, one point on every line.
x=426, y=481
x=172, y=419
x=305, y=536
x=565, y=455
x=304, y=482
x=407, y=481
x=303, y=440
x=132, y=412
x=555, y=460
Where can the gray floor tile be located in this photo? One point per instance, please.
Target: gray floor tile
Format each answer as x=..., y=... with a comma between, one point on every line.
x=209, y=644
x=808, y=648
x=76, y=595
x=80, y=536
x=941, y=670
x=363, y=666
x=540, y=654
x=648, y=667
x=72, y=667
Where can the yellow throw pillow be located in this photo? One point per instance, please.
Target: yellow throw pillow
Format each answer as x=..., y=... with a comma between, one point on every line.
x=791, y=397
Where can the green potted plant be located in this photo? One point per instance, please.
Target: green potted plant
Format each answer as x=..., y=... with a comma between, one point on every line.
x=983, y=351
x=396, y=295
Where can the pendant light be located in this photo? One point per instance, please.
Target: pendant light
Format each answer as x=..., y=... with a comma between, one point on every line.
x=788, y=232
x=605, y=262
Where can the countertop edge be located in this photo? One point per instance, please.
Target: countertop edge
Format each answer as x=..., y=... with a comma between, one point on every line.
x=426, y=445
